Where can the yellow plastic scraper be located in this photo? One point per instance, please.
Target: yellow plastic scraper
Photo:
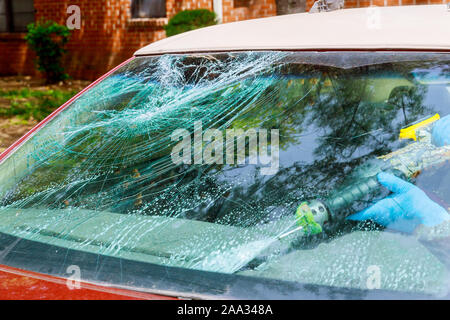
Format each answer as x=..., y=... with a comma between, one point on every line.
x=410, y=132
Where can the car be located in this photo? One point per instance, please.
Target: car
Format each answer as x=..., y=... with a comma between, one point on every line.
x=223, y=162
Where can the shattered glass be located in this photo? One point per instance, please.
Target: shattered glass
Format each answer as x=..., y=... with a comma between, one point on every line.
x=100, y=176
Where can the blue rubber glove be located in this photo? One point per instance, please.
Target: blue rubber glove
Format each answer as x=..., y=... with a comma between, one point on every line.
x=405, y=209
x=440, y=135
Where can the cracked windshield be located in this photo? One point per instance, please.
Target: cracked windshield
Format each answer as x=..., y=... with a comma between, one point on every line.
x=317, y=168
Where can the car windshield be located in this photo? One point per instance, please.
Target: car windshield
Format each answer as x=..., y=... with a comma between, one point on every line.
x=200, y=162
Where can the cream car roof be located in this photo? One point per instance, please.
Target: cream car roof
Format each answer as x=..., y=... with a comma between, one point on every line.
x=420, y=27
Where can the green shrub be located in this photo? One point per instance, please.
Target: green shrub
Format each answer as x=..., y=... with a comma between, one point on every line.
x=48, y=39
x=189, y=20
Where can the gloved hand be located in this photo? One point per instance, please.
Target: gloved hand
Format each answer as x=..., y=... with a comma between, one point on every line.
x=440, y=135
x=405, y=209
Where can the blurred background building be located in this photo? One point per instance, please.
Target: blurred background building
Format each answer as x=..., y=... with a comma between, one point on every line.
x=112, y=30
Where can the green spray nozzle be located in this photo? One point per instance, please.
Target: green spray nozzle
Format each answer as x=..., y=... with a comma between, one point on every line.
x=306, y=219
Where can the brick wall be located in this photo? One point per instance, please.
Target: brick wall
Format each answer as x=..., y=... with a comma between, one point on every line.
x=15, y=57
x=107, y=35
x=234, y=10
x=175, y=6
x=380, y=3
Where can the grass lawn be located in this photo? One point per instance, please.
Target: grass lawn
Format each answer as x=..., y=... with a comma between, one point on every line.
x=27, y=103
x=24, y=101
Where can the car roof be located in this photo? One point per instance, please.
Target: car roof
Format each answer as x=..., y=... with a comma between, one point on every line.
x=422, y=27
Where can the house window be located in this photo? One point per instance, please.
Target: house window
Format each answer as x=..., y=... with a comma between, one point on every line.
x=241, y=3
x=16, y=15
x=148, y=9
